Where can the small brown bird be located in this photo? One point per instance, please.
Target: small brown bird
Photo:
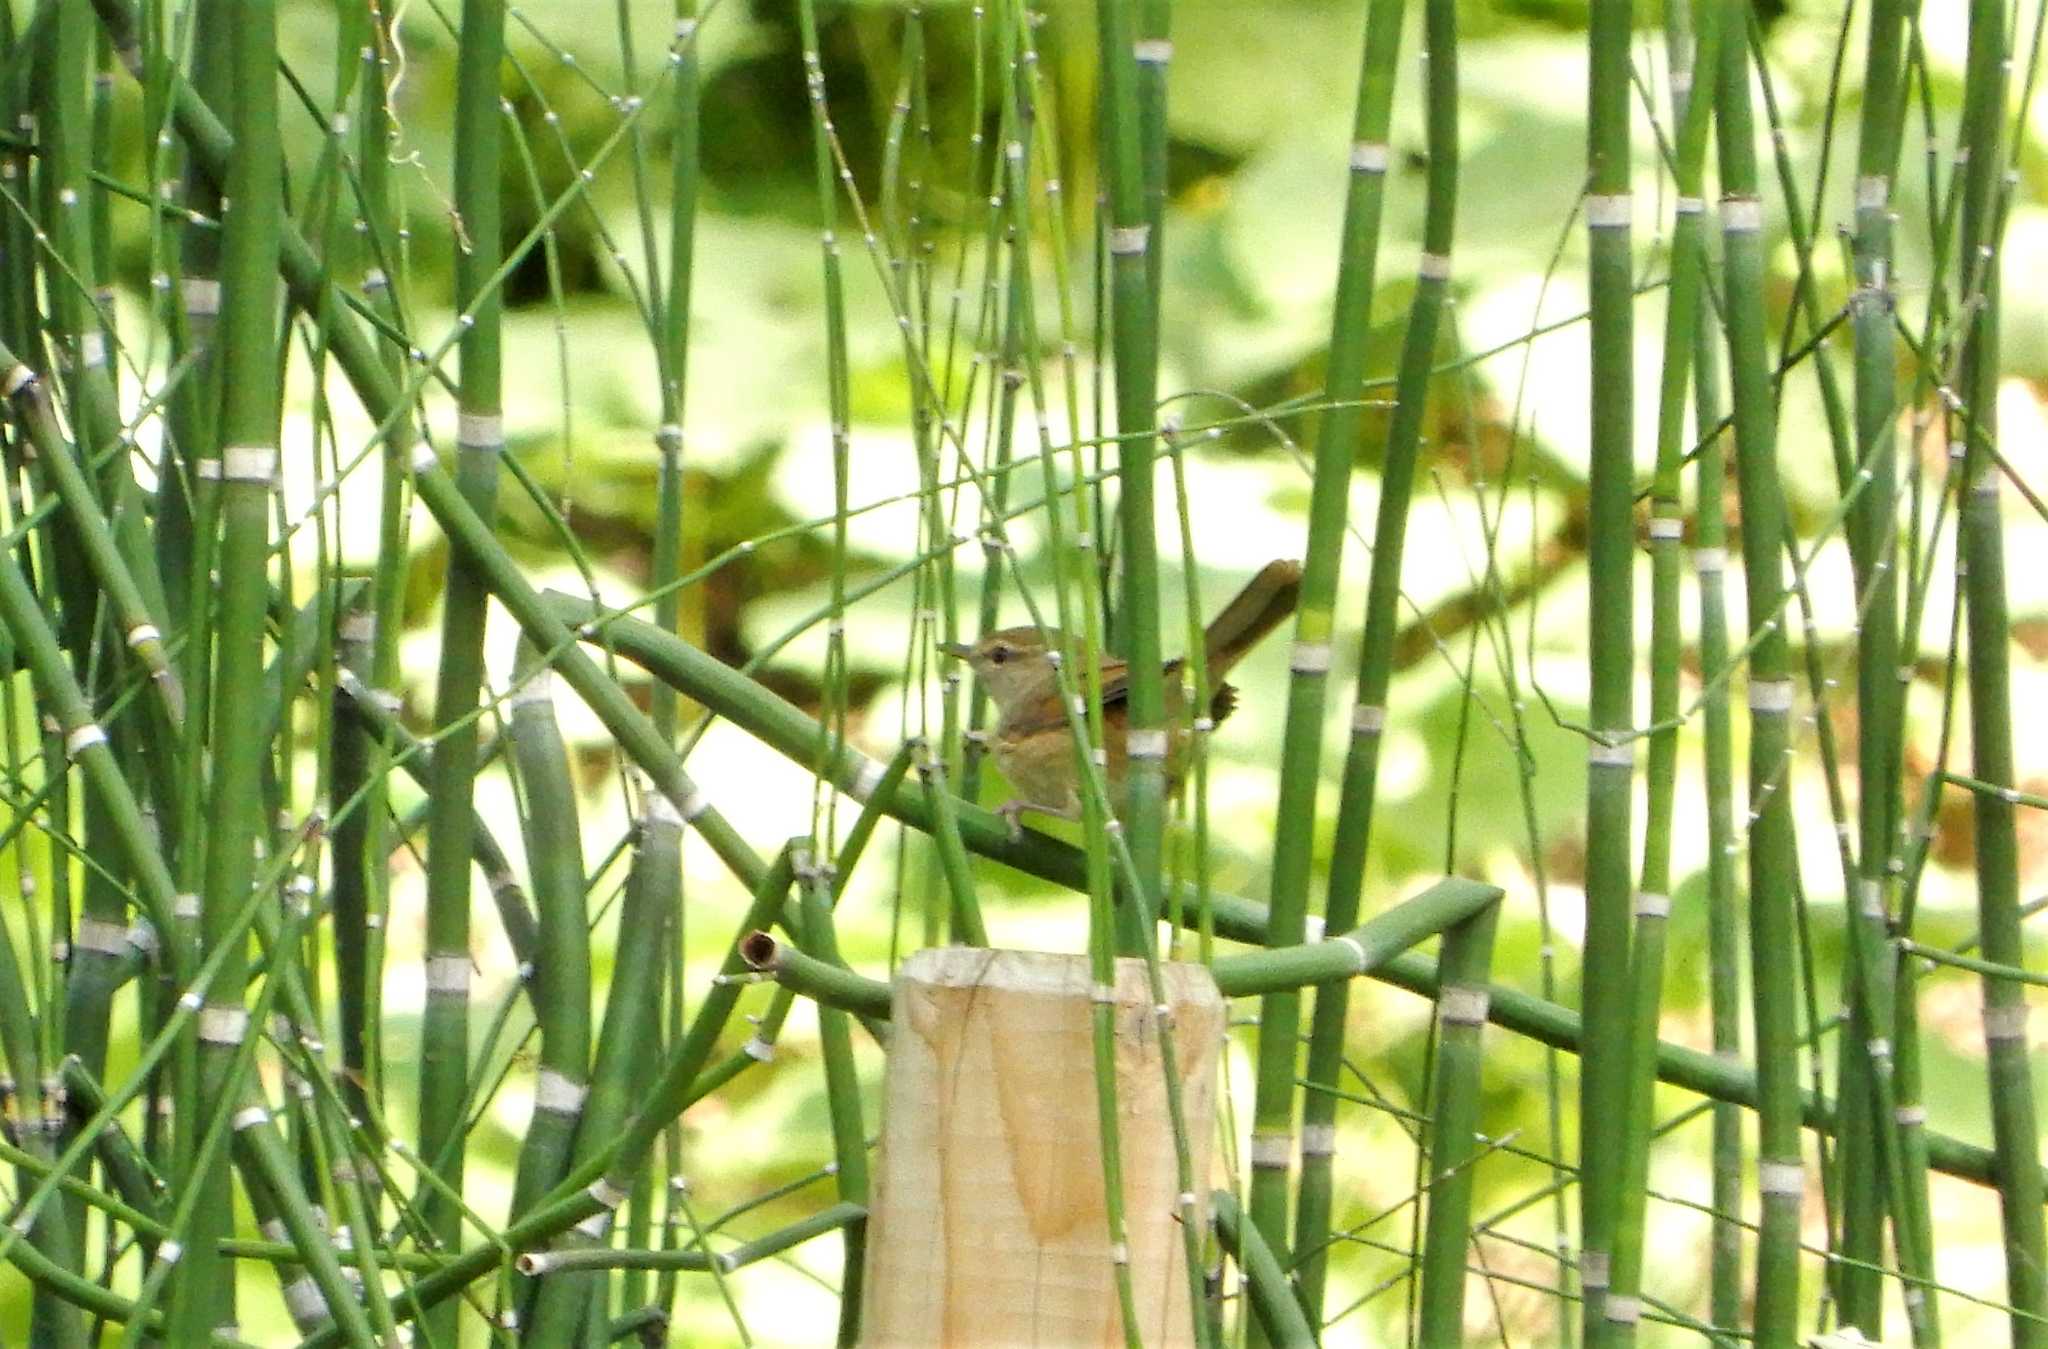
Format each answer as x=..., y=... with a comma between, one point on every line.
x=1031, y=742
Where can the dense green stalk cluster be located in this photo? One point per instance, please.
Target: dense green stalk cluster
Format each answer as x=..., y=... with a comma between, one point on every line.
x=247, y=823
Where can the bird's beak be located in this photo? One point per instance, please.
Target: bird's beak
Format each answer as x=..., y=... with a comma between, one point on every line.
x=957, y=650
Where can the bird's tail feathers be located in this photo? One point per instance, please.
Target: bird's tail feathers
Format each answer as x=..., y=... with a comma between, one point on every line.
x=1260, y=607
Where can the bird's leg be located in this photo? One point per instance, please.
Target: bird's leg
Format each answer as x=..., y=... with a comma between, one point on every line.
x=1012, y=809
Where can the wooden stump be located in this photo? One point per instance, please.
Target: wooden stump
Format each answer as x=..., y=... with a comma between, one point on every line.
x=988, y=1222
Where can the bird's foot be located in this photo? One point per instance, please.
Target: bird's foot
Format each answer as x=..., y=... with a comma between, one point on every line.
x=1011, y=812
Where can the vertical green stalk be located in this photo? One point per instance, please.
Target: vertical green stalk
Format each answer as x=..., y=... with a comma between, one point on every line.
x=1454, y=1121
x=842, y=1093
x=1981, y=566
x=1337, y=436
x=1621, y=1305
x=674, y=348
x=1724, y=933
x=627, y=1047
x=1270, y=1145
x=1880, y=718
x=480, y=440
x=561, y=978
x=380, y=279
x=1610, y=568
x=1773, y=859
x=67, y=204
x=204, y=1296
x=1135, y=350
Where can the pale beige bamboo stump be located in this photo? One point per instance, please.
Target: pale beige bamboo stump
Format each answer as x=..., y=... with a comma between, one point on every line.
x=988, y=1225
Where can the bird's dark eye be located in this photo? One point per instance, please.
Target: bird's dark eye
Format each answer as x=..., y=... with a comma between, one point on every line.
x=998, y=654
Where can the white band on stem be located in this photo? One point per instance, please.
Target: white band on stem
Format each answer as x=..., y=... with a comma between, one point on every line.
x=660, y=809
x=1603, y=755
x=1666, y=527
x=1369, y=156
x=1610, y=212
x=1770, y=695
x=1649, y=904
x=1593, y=1269
x=607, y=1194
x=447, y=975
x=1152, y=51
x=554, y=1091
x=866, y=780
x=691, y=804
x=185, y=905
x=1318, y=1140
x=1741, y=215
x=480, y=431
x=249, y=463
x=1359, y=958
x=249, y=1116
x=19, y=377
x=1691, y=205
x=537, y=689
x=424, y=458
x=1368, y=719
x=1272, y=1152
x=1309, y=657
x=303, y=1299
x=1910, y=1116
x=1129, y=239
x=1149, y=744
x=167, y=1252
x=758, y=1049
x=1102, y=993
x=201, y=295
x=96, y=934
x=92, y=350
x=1463, y=1005
x=1781, y=1179
x=1434, y=266
x=1870, y=891
x=1709, y=559
x=142, y=634
x=83, y=738
x=223, y=1025
x=1873, y=191
x=2006, y=1021
x=1622, y=1311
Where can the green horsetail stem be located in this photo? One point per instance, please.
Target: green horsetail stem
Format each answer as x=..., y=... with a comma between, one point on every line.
x=1621, y=1303
x=1980, y=568
x=561, y=973
x=1610, y=572
x=1724, y=936
x=1781, y=1175
x=1338, y=429
x=480, y=443
x=1134, y=348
